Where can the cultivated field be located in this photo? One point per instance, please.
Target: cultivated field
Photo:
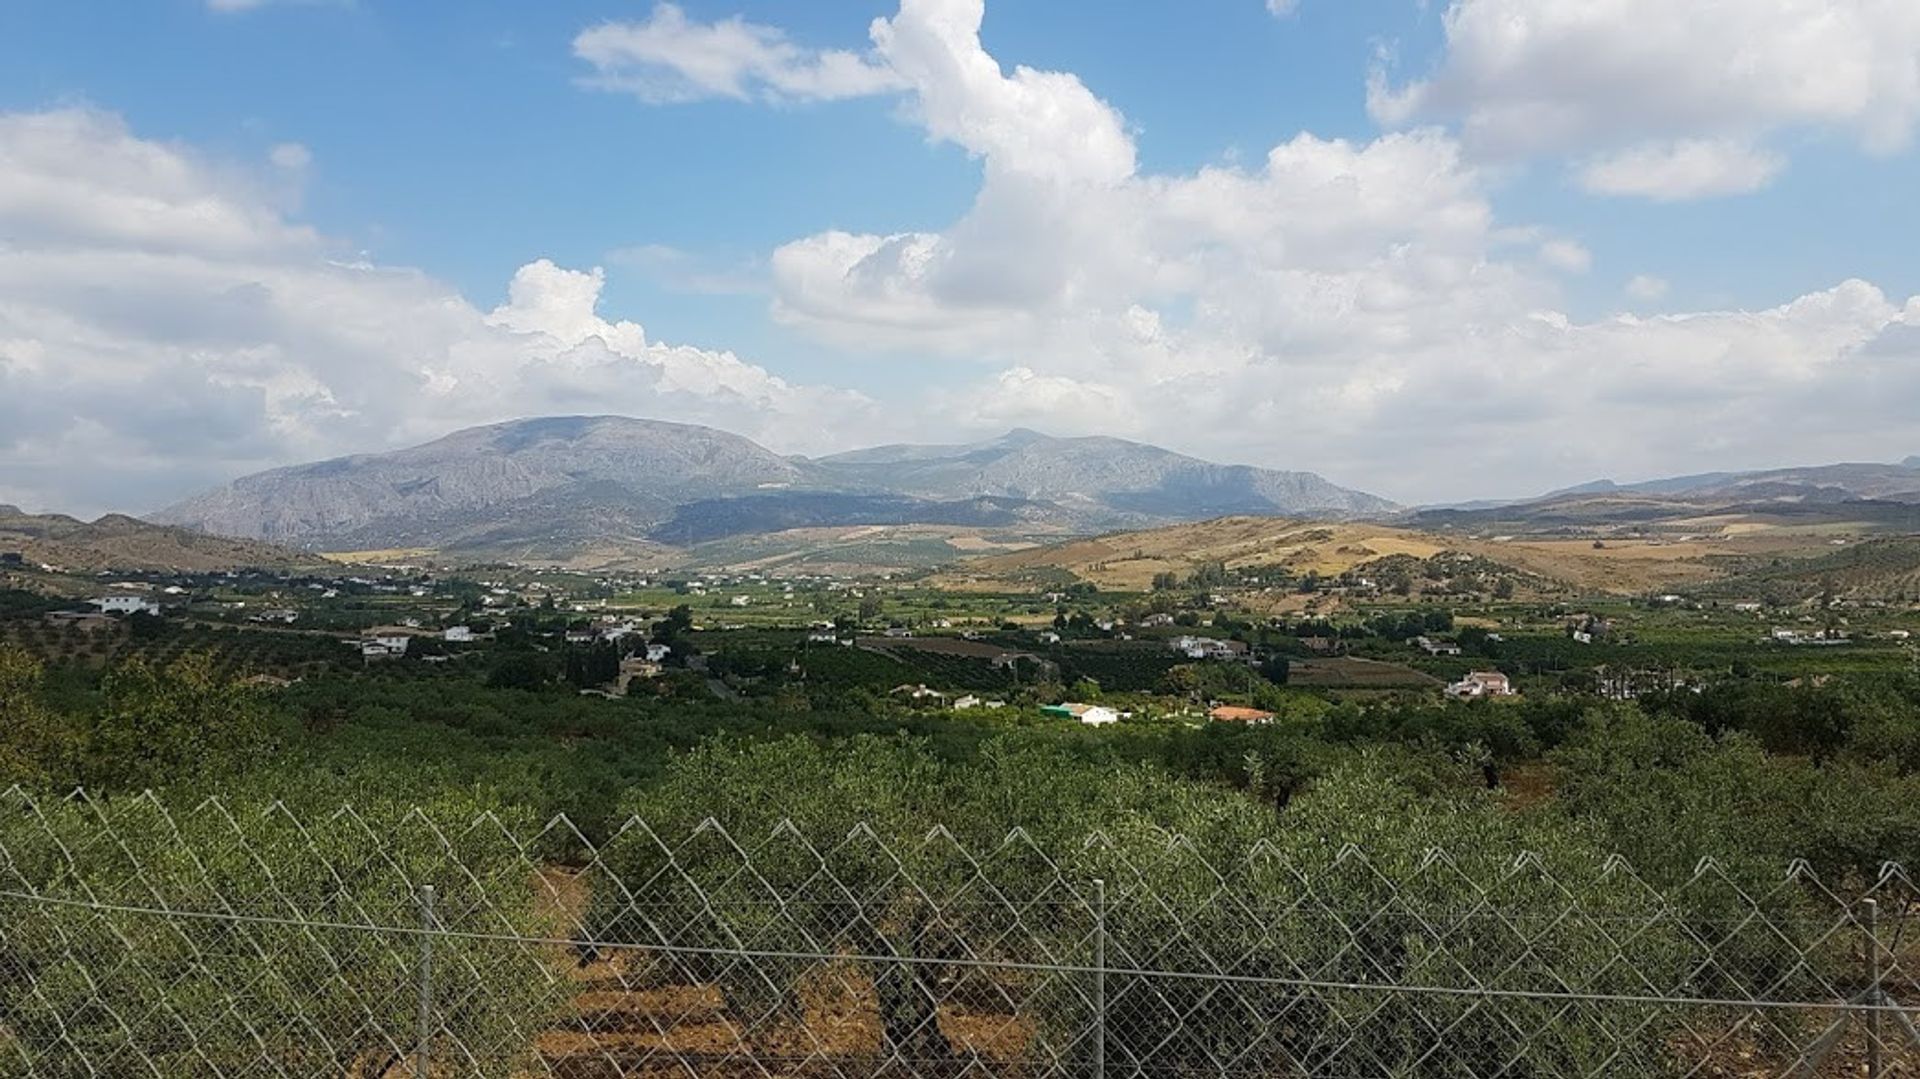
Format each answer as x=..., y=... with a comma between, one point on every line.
x=1128, y=561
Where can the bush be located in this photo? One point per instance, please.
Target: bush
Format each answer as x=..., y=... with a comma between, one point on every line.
x=250, y=973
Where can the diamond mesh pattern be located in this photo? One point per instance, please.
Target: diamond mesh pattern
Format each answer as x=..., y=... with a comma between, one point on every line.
x=142, y=939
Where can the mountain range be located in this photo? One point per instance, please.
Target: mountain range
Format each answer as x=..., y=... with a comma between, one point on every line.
x=1842, y=482
x=1884, y=496
x=553, y=487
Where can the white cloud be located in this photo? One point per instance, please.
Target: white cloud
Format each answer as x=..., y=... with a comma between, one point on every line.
x=163, y=327
x=1570, y=76
x=1280, y=9
x=1647, y=288
x=1566, y=256
x=291, y=156
x=669, y=57
x=1354, y=307
x=1683, y=169
x=1350, y=307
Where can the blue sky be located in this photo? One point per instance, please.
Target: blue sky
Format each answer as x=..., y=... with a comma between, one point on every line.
x=1581, y=225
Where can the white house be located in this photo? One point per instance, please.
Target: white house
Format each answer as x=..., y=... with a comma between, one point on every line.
x=1436, y=648
x=1208, y=648
x=126, y=605
x=458, y=635
x=1093, y=715
x=1480, y=684
x=657, y=653
x=918, y=692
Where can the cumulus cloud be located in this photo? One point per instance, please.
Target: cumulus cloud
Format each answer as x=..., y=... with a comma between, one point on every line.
x=1683, y=169
x=669, y=57
x=1696, y=85
x=163, y=326
x=1566, y=256
x=1352, y=307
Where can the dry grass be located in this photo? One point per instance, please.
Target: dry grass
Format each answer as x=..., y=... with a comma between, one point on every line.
x=382, y=556
x=1128, y=561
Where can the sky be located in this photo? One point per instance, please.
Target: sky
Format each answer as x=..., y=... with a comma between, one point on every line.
x=1433, y=249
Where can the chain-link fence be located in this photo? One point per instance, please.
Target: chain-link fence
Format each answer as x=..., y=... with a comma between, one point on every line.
x=139, y=940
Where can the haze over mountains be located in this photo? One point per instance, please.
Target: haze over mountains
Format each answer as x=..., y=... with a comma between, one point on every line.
x=552, y=485
x=606, y=490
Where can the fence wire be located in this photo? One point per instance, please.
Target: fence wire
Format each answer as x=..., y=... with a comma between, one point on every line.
x=142, y=940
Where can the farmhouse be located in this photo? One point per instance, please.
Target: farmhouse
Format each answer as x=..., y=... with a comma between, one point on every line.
x=970, y=701
x=918, y=693
x=1436, y=648
x=458, y=634
x=1208, y=648
x=635, y=667
x=1093, y=715
x=384, y=647
x=126, y=605
x=1480, y=684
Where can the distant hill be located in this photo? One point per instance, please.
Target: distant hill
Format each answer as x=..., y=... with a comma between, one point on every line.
x=1130, y=560
x=1109, y=479
x=1896, y=482
x=526, y=475
x=124, y=543
x=605, y=488
x=1883, y=568
x=1871, y=496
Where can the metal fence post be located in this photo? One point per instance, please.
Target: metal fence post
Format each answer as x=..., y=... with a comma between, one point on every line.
x=1099, y=979
x=1874, y=995
x=423, y=1032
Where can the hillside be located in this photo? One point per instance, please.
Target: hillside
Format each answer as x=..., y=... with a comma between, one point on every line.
x=1128, y=561
x=607, y=489
x=1101, y=477
x=1729, y=548
x=1838, y=482
x=608, y=474
x=1883, y=569
x=125, y=543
